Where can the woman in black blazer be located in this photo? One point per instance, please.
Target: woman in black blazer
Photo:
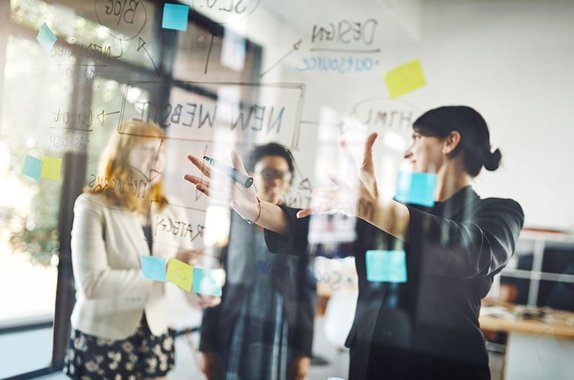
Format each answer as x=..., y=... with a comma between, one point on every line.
x=426, y=327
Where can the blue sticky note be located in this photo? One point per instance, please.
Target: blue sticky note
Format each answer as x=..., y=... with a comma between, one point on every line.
x=416, y=188
x=386, y=266
x=46, y=38
x=32, y=167
x=204, y=282
x=175, y=17
x=153, y=268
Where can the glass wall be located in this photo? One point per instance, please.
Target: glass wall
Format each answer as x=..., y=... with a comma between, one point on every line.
x=110, y=229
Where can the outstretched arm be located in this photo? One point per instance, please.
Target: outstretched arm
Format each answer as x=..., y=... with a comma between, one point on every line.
x=243, y=200
x=384, y=213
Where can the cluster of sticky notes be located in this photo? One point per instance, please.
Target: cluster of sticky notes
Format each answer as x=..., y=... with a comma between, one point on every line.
x=386, y=266
x=405, y=78
x=46, y=38
x=47, y=167
x=416, y=188
x=187, y=277
x=175, y=17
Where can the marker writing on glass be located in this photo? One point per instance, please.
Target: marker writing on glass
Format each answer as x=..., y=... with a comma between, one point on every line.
x=233, y=173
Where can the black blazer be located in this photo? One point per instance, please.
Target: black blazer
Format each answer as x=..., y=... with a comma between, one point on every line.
x=427, y=327
x=290, y=275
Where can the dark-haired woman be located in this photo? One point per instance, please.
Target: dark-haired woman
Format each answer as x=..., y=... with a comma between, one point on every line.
x=263, y=328
x=426, y=327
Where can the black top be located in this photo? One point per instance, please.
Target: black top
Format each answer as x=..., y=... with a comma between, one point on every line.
x=247, y=268
x=427, y=327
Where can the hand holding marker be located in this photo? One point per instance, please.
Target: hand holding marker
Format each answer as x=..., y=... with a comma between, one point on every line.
x=233, y=173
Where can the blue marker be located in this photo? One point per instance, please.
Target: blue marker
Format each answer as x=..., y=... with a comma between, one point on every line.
x=233, y=173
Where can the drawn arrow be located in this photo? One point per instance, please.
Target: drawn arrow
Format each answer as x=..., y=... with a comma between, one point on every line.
x=295, y=47
x=101, y=116
x=141, y=46
x=305, y=184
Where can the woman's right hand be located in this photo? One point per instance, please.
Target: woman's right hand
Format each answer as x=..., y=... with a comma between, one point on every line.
x=243, y=200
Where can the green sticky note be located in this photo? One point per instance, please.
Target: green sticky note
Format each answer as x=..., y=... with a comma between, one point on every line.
x=386, y=266
x=32, y=167
x=204, y=282
x=153, y=268
x=180, y=274
x=46, y=38
x=51, y=167
x=405, y=78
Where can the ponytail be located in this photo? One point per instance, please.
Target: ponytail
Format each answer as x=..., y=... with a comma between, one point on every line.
x=491, y=160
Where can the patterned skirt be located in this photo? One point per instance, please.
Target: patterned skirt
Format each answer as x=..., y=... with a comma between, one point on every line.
x=138, y=356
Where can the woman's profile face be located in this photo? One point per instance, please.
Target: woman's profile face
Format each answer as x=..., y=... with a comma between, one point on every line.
x=425, y=153
x=147, y=161
x=272, y=178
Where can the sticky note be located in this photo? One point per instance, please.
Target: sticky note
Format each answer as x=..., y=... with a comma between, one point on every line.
x=175, y=17
x=32, y=167
x=386, y=266
x=51, y=167
x=153, y=268
x=204, y=282
x=180, y=274
x=46, y=38
x=416, y=188
x=405, y=78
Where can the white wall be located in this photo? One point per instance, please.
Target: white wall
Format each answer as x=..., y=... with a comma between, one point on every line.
x=511, y=60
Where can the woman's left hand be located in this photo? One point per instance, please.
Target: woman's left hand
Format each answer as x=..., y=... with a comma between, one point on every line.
x=363, y=187
x=196, y=257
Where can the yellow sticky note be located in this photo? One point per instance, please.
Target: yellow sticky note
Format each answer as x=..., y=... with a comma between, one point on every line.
x=51, y=167
x=180, y=274
x=405, y=78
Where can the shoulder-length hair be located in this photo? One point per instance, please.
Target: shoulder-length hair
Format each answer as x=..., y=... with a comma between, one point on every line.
x=124, y=189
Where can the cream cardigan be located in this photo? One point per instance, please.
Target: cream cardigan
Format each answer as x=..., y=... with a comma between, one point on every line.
x=111, y=292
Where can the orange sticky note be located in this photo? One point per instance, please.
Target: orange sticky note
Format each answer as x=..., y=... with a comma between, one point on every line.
x=180, y=274
x=405, y=78
x=51, y=167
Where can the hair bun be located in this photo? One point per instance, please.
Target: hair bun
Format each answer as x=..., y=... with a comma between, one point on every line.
x=492, y=160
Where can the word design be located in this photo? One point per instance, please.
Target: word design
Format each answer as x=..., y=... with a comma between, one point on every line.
x=346, y=32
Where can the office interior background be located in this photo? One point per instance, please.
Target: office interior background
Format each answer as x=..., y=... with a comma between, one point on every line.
x=298, y=72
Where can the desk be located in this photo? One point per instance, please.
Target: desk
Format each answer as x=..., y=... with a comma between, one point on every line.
x=537, y=349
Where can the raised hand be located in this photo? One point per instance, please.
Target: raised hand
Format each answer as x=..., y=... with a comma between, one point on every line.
x=362, y=185
x=243, y=200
